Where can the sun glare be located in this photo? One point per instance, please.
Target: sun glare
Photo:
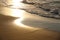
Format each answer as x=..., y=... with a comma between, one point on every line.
x=17, y=13
x=16, y=3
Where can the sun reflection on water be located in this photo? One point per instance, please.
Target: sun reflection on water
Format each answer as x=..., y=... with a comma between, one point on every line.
x=19, y=13
x=17, y=3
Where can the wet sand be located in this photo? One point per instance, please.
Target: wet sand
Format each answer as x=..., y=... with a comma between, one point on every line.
x=10, y=31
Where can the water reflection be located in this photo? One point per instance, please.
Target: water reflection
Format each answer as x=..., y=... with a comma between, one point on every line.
x=9, y=10
x=14, y=12
x=21, y=14
x=17, y=13
x=16, y=3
